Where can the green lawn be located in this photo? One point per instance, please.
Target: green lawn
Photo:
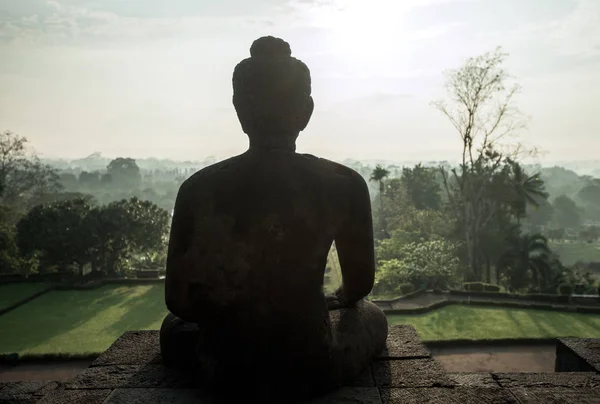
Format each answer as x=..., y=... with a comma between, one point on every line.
x=15, y=292
x=79, y=322
x=570, y=253
x=462, y=322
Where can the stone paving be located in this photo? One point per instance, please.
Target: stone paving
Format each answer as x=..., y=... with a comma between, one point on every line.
x=130, y=371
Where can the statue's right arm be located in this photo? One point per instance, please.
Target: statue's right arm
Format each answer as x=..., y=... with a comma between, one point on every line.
x=176, y=286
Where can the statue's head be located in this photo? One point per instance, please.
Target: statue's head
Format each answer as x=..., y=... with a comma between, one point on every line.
x=271, y=91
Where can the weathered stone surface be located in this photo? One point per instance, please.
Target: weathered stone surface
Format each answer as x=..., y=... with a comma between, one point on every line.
x=365, y=379
x=577, y=355
x=572, y=380
x=75, y=397
x=459, y=395
x=473, y=380
x=404, y=342
x=152, y=395
x=25, y=392
x=410, y=373
x=557, y=396
x=350, y=395
x=20, y=399
x=132, y=348
x=130, y=376
x=594, y=382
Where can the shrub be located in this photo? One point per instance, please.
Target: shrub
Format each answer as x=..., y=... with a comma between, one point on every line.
x=474, y=286
x=406, y=288
x=491, y=288
x=565, y=289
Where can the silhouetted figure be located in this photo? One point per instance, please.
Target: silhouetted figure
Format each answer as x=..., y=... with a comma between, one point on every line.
x=248, y=248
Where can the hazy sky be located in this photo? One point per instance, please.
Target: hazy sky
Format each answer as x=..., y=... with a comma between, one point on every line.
x=153, y=77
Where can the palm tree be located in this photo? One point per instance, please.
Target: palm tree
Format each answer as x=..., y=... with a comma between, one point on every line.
x=378, y=175
x=524, y=190
x=527, y=252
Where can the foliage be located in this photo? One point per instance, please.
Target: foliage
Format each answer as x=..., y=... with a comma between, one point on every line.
x=568, y=214
x=422, y=187
x=57, y=232
x=124, y=172
x=9, y=253
x=378, y=175
x=24, y=179
x=526, y=261
x=565, y=289
x=406, y=288
x=123, y=228
x=480, y=287
x=429, y=264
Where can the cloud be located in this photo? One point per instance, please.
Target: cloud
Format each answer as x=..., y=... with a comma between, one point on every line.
x=81, y=21
x=575, y=35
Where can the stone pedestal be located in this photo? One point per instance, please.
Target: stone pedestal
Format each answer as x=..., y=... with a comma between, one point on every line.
x=577, y=355
x=130, y=371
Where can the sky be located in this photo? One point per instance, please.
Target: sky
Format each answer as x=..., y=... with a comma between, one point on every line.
x=145, y=78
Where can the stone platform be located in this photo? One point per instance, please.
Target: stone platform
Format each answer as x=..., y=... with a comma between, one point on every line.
x=130, y=371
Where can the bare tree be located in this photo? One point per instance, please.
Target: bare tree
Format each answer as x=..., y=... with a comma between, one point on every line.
x=481, y=109
x=23, y=178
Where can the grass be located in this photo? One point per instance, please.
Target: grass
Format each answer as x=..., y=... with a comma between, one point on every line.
x=462, y=322
x=81, y=322
x=570, y=253
x=15, y=292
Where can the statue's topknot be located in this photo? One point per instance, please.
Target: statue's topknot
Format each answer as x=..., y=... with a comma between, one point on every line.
x=270, y=47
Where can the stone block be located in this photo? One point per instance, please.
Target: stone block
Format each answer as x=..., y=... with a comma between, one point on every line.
x=404, y=342
x=557, y=396
x=473, y=380
x=130, y=376
x=75, y=397
x=153, y=395
x=410, y=373
x=132, y=348
x=350, y=395
x=459, y=395
x=566, y=380
x=577, y=355
x=25, y=391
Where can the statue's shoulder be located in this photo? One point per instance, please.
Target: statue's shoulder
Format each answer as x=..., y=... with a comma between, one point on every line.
x=336, y=169
x=207, y=176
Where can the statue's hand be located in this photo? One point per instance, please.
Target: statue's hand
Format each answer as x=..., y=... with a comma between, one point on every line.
x=337, y=300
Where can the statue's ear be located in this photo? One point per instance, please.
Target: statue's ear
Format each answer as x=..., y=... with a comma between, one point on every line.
x=307, y=111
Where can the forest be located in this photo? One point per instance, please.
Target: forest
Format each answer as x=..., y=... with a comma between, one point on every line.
x=489, y=222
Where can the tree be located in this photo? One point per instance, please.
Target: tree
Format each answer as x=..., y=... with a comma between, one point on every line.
x=431, y=264
x=23, y=178
x=422, y=187
x=567, y=212
x=89, y=180
x=56, y=231
x=124, y=228
x=9, y=253
x=125, y=172
x=378, y=175
x=482, y=112
x=523, y=190
x=527, y=257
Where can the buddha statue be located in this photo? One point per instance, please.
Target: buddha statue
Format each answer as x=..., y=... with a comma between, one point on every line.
x=248, y=248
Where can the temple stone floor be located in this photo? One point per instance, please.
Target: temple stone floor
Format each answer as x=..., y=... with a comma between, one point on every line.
x=130, y=371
